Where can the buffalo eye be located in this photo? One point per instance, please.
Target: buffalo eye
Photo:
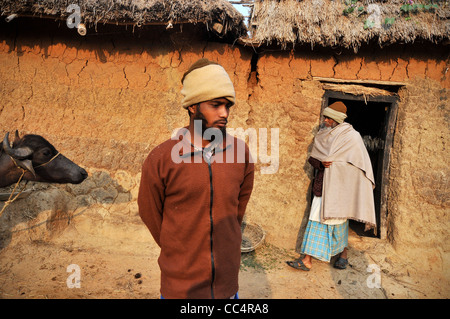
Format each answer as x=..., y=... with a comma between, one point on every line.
x=46, y=152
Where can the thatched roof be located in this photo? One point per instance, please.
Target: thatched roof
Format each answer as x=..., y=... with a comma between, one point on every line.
x=324, y=22
x=219, y=15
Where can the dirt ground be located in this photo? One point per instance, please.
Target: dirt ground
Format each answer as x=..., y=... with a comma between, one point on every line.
x=117, y=258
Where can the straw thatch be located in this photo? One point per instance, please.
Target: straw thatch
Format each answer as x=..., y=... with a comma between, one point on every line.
x=215, y=14
x=324, y=23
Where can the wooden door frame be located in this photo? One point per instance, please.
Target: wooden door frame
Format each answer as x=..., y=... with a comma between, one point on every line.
x=389, y=130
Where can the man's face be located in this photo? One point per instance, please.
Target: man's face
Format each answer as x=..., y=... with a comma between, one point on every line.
x=329, y=122
x=213, y=114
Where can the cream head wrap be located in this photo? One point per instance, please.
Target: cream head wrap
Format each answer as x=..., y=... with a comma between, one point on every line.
x=336, y=111
x=205, y=81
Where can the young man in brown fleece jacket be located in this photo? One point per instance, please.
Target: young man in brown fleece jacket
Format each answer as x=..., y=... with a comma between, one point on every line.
x=194, y=190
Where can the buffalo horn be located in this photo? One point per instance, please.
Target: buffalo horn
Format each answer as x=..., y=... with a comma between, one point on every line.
x=16, y=153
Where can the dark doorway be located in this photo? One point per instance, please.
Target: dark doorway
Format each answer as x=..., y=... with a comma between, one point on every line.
x=373, y=118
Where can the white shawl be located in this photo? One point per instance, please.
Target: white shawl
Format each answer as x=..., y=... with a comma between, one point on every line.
x=348, y=183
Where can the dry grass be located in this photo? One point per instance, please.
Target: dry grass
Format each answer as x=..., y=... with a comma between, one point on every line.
x=323, y=22
x=135, y=12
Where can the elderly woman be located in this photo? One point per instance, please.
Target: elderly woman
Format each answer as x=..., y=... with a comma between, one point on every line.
x=343, y=189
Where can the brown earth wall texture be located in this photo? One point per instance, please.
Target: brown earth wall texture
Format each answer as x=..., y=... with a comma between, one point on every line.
x=419, y=199
x=106, y=100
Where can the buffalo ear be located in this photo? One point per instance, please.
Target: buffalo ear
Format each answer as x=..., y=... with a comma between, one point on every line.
x=16, y=138
x=27, y=165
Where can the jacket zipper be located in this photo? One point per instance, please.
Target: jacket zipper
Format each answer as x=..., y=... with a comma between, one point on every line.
x=213, y=274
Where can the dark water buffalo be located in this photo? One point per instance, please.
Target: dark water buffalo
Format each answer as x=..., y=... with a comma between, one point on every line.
x=41, y=161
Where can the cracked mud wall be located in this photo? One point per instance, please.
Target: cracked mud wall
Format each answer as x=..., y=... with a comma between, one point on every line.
x=106, y=100
x=419, y=199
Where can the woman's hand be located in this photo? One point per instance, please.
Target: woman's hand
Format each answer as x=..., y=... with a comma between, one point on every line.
x=326, y=164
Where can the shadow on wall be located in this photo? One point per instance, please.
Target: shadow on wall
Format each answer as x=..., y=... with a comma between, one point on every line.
x=308, y=169
x=51, y=207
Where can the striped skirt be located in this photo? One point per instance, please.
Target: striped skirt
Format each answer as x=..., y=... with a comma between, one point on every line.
x=324, y=241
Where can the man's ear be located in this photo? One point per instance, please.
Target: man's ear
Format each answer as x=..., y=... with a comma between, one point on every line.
x=192, y=108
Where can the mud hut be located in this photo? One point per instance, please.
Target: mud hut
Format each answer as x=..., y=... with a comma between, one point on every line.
x=389, y=62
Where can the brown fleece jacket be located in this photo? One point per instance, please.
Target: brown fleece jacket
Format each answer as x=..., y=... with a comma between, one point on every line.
x=194, y=211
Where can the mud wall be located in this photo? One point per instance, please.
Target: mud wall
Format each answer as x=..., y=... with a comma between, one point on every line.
x=105, y=100
x=417, y=196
